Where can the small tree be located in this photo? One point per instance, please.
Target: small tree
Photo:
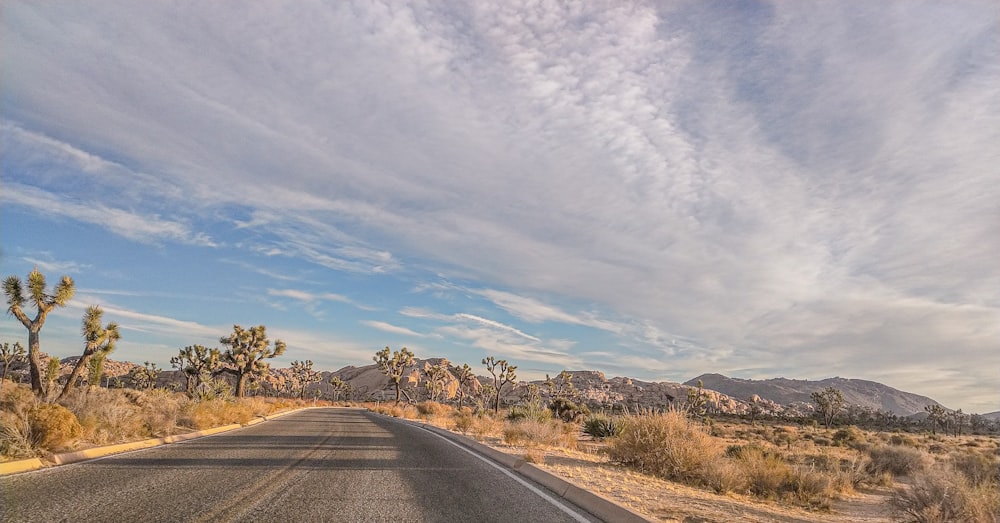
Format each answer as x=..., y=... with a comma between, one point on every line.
x=502, y=375
x=393, y=365
x=95, y=369
x=936, y=416
x=304, y=376
x=436, y=378
x=99, y=339
x=51, y=375
x=829, y=402
x=248, y=348
x=697, y=402
x=465, y=380
x=11, y=355
x=198, y=363
x=44, y=303
x=339, y=387
x=145, y=377
x=561, y=386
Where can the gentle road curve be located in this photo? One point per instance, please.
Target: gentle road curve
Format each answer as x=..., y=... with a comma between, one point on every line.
x=314, y=465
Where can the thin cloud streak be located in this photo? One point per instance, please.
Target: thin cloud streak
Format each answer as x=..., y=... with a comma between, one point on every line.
x=719, y=186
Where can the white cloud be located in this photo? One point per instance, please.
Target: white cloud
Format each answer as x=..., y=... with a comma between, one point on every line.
x=737, y=184
x=394, y=329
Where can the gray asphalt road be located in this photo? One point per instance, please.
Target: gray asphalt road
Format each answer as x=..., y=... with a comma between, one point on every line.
x=315, y=465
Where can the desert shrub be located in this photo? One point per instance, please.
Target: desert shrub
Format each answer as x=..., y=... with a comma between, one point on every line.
x=529, y=412
x=463, y=422
x=17, y=400
x=851, y=473
x=821, y=441
x=486, y=426
x=766, y=473
x=810, y=486
x=724, y=476
x=538, y=433
x=848, y=437
x=431, y=408
x=55, y=426
x=944, y=494
x=666, y=445
x=215, y=413
x=978, y=468
x=902, y=439
x=534, y=455
x=17, y=438
x=896, y=460
x=567, y=410
x=108, y=416
x=600, y=426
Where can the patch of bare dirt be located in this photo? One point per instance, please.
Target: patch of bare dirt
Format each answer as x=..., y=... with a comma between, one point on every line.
x=673, y=502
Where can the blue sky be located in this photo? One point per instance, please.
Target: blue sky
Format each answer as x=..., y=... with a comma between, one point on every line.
x=657, y=190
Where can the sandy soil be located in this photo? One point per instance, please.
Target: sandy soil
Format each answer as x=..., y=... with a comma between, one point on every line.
x=673, y=502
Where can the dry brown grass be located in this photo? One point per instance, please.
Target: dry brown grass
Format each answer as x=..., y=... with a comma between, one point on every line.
x=667, y=445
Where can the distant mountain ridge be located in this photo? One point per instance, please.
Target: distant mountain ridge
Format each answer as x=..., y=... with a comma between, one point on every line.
x=786, y=391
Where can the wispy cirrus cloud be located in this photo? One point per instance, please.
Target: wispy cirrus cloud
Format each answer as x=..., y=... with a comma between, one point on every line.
x=729, y=183
x=137, y=227
x=390, y=328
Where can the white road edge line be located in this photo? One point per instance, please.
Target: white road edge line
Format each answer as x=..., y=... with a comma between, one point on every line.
x=572, y=513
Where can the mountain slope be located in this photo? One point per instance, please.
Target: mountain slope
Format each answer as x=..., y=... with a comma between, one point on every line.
x=785, y=391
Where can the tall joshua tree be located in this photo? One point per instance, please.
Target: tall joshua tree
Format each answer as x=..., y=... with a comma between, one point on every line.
x=99, y=340
x=502, y=375
x=18, y=297
x=198, y=363
x=393, y=365
x=248, y=348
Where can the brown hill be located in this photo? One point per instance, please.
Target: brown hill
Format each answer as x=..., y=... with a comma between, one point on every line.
x=867, y=394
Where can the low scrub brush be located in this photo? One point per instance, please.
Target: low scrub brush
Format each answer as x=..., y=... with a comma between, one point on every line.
x=666, y=445
x=601, y=426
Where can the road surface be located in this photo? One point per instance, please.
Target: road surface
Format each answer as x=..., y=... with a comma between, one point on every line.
x=314, y=465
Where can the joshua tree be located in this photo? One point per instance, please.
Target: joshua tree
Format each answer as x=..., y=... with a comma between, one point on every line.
x=145, y=376
x=502, y=374
x=697, y=402
x=11, y=355
x=436, y=377
x=393, y=365
x=561, y=386
x=246, y=354
x=44, y=303
x=51, y=374
x=99, y=340
x=465, y=378
x=95, y=370
x=197, y=362
x=339, y=387
x=304, y=375
x=829, y=403
x=936, y=415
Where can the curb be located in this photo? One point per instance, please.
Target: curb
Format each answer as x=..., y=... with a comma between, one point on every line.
x=65, y=458
x=592, y=502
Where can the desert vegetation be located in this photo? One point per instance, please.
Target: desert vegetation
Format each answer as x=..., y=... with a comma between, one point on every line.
x=812, y=464
x=944, y=467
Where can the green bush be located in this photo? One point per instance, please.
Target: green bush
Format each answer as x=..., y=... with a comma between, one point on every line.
x=566, y=410
x=601, y=426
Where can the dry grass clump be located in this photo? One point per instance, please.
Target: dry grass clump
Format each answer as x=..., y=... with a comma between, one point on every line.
x=944, y=494
x=216, y=412
x=895, y=460
x=54, y=426
x=431, y=409
x=532, y=433
x=666, y=445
